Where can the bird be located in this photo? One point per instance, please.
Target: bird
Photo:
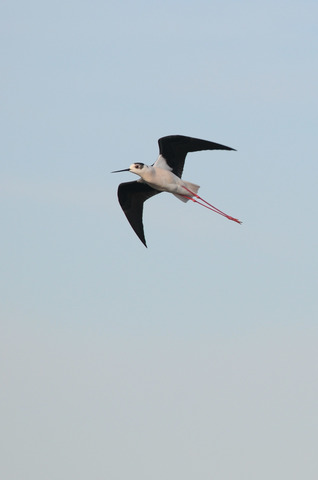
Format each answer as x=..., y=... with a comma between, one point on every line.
x=164, y=176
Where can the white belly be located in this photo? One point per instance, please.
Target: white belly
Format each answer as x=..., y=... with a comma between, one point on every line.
x=164, y=181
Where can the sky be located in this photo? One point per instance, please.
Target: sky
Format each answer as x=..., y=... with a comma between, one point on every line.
x=196, y=357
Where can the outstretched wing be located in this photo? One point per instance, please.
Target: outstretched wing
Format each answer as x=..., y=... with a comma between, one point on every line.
x=131, y=196
x=174, y=149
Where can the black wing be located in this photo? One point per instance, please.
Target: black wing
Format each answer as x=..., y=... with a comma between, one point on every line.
x=131, y=196
x=174, y=149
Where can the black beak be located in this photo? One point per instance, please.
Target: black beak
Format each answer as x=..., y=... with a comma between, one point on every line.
x=124, y=170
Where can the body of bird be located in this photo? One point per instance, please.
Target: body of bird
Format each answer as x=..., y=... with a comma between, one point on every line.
x=163, y=180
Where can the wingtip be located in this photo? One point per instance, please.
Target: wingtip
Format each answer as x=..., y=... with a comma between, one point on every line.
x=142, y=239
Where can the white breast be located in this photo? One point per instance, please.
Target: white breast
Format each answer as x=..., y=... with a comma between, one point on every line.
x=162, y=179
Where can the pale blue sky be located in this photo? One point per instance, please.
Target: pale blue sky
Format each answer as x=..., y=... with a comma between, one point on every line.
x=197, y=357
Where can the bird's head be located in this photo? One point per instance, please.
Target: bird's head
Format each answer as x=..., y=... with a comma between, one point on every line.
x=136, y=168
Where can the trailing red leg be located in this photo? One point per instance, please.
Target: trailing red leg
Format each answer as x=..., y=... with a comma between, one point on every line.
x=208, y=205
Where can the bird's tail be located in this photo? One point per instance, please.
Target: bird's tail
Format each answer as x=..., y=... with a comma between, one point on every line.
x=190, y=186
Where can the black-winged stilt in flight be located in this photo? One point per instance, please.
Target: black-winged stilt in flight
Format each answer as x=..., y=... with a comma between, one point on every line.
x=164, y=176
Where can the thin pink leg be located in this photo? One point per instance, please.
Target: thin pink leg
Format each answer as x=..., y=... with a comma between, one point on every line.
x=209, y=206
